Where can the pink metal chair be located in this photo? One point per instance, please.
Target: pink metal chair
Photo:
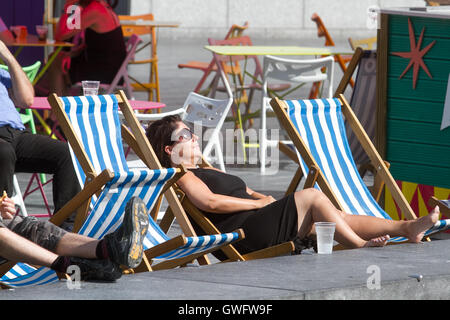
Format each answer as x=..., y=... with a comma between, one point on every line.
x=209, y=68
x=122, y=73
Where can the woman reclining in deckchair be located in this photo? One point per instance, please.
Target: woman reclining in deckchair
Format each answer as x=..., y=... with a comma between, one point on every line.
x=230, y=204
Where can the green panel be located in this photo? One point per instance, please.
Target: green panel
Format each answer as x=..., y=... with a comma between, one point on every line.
x=438, y=51
x=439, y=69
x=415, y=110
x=422, y=174
x=398, y=25
x=415, y=153
x=416, y=148
x=418, y=132
x=426, y=89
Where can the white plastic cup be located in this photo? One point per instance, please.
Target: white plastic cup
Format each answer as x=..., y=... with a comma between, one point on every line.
x=90, y=87
x=325, y=236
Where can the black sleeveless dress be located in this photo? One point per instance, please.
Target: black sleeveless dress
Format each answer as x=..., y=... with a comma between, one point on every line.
x=273, y=224
x=102, y=57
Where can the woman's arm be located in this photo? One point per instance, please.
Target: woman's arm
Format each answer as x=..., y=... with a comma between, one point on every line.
x=204, y=199
x=252, y=193
x=256, y=195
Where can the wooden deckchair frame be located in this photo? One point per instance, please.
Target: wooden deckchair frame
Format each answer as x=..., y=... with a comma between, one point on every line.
x=95, y=183
x=279, y=106
x=179, y=204
x=378, y=185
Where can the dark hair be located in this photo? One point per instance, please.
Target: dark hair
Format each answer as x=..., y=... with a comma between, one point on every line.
x=159, y=133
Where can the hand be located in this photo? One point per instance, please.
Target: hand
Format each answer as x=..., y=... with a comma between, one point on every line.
x=7, y=208
x=266, y=200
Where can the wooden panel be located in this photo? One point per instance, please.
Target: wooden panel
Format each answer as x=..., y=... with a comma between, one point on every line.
x=434, y=26
x=401, y=44
x=403, y=106
x=426, y=90
x=438, y=68
x=426, y=174
x=382, y=63
x=421, y=133
x=424, y=154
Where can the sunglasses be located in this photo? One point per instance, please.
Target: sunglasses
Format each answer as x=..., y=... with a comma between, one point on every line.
x=185, y=134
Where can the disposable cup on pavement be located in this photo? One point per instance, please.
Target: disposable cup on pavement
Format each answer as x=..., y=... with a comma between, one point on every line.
x=90, y=87
x=325, y=235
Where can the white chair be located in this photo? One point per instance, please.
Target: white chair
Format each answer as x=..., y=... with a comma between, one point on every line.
x=206, y=112
x=297, y=72
x=17, y=197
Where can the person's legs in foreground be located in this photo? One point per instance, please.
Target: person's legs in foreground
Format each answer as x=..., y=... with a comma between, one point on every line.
x=356, y=231
x=42, y=243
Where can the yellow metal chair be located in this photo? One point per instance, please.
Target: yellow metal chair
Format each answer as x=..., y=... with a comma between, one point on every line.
x=366, y=43
x=152, y=86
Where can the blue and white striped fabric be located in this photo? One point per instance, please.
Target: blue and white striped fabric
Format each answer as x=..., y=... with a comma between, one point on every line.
x=95, y=120
x=321, y=126
x=107, y=213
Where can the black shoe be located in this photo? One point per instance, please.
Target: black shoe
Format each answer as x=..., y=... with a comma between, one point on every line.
x=95, y=269
x=125, y=245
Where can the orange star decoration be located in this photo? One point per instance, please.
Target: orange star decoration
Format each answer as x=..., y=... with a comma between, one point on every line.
x=415, y=55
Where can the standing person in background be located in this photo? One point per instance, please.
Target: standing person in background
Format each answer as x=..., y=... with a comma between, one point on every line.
x=102, y=54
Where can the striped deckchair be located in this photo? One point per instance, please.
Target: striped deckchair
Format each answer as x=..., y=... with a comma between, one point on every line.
x=91, y=125
x=317, y=130
x=106, y=217
x=181, y=204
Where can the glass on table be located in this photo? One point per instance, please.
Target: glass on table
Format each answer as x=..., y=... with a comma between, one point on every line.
x=90, y=87
x=42, y=32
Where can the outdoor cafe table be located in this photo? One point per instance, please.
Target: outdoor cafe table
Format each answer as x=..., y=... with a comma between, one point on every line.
x=230, y=50
x=269, y=50
x=33, y=41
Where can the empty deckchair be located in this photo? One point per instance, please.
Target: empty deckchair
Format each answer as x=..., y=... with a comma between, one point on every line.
x=317, y=130
x=107, y=216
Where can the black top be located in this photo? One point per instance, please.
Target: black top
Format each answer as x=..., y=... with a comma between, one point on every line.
x=102, y=57
x=273, y=224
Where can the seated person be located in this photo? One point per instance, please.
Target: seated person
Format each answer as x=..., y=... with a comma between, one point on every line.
x=102, y=54
x=22, y=151
x=41, y=243
x=227, y=201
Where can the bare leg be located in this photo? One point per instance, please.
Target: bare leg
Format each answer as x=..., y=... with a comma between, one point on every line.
x=370, y=227
x=16, y=248
x=72, y=244
x=352, y=230
x=313, y=205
